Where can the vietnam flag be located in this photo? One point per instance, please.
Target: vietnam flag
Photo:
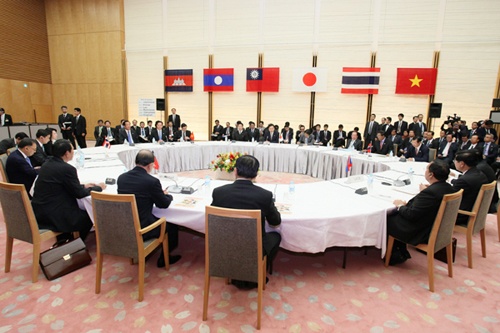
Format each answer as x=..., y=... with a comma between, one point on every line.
x=416, y=81
x=263, y=79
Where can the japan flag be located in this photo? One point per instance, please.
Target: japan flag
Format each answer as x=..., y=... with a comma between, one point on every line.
x=310, y=79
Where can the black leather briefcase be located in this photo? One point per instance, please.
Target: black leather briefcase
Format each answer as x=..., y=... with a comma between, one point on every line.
x=62, y=259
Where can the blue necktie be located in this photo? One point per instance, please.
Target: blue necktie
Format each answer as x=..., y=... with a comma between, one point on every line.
x=159, y=135
x=29, y=162
x=129, y=138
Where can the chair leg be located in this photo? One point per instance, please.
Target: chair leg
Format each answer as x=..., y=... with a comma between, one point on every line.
x=8, y=253
x=259, y=301
x=264, y=264
x=98, y=274
x=226, y=281
x=36, y=263
x=430, y=268
x=388, y=252
x=131, y=261
x=205, y=295
x=498, y=225
x=165, y=252
x=76, y=234
x=449, y=257
x=483, y=241
x=142, y=269
x=469, y=249
x=345, y=258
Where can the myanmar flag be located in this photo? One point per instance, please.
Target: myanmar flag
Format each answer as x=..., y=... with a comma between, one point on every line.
x=416, y=81
x=263, y=79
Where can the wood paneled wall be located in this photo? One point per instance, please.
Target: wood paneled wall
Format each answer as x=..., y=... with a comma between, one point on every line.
x=86, y=38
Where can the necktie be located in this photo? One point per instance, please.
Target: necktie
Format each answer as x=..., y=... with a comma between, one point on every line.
x=129, y=137
x=29, y=162
x=488, y=131
x=184, y=136
x=159, y=135
x=381, y=144
x=486, y=147
x=399, y=127
x=142, y=132
x=416, y=152
x=446, y=149
x=422, y=127
x=370, y=128
x=100, y=130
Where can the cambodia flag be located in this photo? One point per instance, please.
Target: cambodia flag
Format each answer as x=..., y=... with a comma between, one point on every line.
x=416, y=81
x=349, y=165
x=178, y=80
x=263, y=79
x=218, y=79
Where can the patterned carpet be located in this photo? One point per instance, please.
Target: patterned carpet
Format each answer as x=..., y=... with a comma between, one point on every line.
x=307, y=293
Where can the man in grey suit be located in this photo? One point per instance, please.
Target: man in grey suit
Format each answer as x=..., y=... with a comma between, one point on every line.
x=354, y=142
x=306, y=138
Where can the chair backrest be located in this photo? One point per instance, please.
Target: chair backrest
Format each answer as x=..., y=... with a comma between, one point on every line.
x=3, y=167
x=18, y=213
x=395, y=148
x=442, y=231
x=482, y=205
x=117, y=224
x=233, y=243
x=10, y=150
x=432, y=154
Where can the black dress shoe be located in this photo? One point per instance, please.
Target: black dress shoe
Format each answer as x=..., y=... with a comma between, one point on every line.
x=397, y=258
x=245, y=284
x=171, y=260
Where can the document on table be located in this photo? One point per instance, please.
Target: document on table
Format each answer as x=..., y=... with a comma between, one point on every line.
x=189, y=202
x=284, y=208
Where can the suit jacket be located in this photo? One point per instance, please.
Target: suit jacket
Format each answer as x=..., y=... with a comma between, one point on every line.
x=290, y=135
x=124, y=136
x=397, y=139
x=360, y=136
x=451, y=151
x=240, y=137
x=415, y=128
x=336, y=135
x=404, y=127
x=178, y=135
x=164, y=134
x=386, y=147
x=370, y=137
x=358, y=145
x=471, y=183
x=490, y=175
x=149, y=132
x=56, y=191
x=492, y=152
x=49, y=148
x=139, y=133
x=219, y=130
x=274, y=139
x=7, y=120
x=387, y=128
x=413, y=222
x=148, y=192
x=326, y=138
x=481, y=132
x=79, y=127
x=62, y=120
x=177, y=122
x=462, y=146
x=230, y=134
x=243, y=194
x=473, y=132
x=39, y=157
x=256, y=134
x=6, y=144
x=105, y=132
x=20, y=171
x=307, y=141
x=433, y=144
x=99, y=139
x=422, y=156
x=297, y=136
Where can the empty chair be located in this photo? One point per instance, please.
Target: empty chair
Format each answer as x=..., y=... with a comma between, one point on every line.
x=440, y=237
x=432, y=154
x=233, y=250
x=3, y=167
x=21, y=224
x=118, y=232
x=10, y=150
x=477, y=219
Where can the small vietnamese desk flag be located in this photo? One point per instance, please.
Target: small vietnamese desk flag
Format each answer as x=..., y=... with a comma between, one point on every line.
x=263, y=79
x=218, y=79
x=416, y=81
x=178, y=80
x=156, y=165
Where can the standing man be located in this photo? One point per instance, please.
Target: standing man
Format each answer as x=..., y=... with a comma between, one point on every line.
x=99, y=140
x=134, y=125
x=127, y=133
x=5, y=119
x=371, y=130
x=387, y=127
x=217, y=132
x=19, y=168
x=80, y=128
x=66, y=125
x=421, y=124
x=175, y=119
x=401, y=125
x=415, y=127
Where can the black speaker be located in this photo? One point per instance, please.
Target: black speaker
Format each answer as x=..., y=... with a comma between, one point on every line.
x=160, y=104
x=496, y=103
x=435, y=110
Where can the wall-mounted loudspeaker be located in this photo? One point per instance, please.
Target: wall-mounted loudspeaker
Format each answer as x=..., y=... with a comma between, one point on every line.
x=160, y=104
x=435, y=110
x=496, y=103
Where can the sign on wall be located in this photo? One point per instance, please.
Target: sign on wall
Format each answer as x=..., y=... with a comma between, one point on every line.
x=147, y=107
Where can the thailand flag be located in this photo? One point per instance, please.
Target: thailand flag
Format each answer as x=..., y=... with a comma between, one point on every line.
x=218, y=79
x=349, y=165
x=106, y=144
x=357, y=80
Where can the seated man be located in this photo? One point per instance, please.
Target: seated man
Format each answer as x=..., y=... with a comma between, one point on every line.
x=306, y=138
x=395, y=138
x=287, y=133
x=253, y=132
x=490, y=149
x=431, y=142
x=217, y=132
x=243, y=194
x=8, y=143
x=417, y=151
x=299, y=133
x=147, y=190
x=447, y=149
x=464, y=142
x=470, y=181
x=183, y=134
x=128, y=134
x=325, y=136
x=141, y=132
x=170, y=131
x=382, y=145
x=271, y=135
x=413, y=221
x=40, y=156
x=239, y=134
x=228, y=131
x=19, y=168
x=354, y=142
x=109, y=133
x=490, y=175
x=56, y=190
x=159, y=133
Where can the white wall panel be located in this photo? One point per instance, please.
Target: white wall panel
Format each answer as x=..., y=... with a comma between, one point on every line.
x=187, y=23
x=143, y=24
x=236, y=22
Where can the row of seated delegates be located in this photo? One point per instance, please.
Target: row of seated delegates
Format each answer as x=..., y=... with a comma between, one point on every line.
x=5, y=119
x=9, y=143
x=73, y=126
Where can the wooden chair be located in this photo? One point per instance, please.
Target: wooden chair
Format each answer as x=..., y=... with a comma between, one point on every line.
x=118, y=232
x=21, y=224
x=440, y=237
x=233, y=250
x=432, y=154
x=3, y=167
x=10, y=150
x=477, y=219
x=395, y=149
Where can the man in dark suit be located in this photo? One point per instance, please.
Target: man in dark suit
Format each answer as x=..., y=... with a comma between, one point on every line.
x=5, y=119
x=141, y=132
x=170, y=131
x=356, y=129
x=421, y=124
x=217, y=132
x=253, y=133
x=470, y=181
x=8, y=143
x=325, y=135
x=56, y=190
x=465, y=142
x=240, y=134
x=149, y=130
x=134, y=126
x=354, y=142
x=490, y=149
x=183, y=134
x=127, y=133
x=473, y=129
x=98, y=133
x=487, y=129
x=40, y=156
x=447, y=149
x=431, y=142
x=475, y=144
x=400, y=125
x=110, y=133
x=228, y=131
x=339, y=136
x=159, y=133
x=415, y=127
x=243, y=194
x=490, y=175
x=271, y=135
x=387, y=127
x=175, y=119
x=287, y=133
x=66, y=125
x=413, y=221
x=119, y=126
x=395, y=138
x=148, y=192
x=80, y=128
x=19, y=168
x=417, y=152
x=371, y=130
x=382, y=145
x=299, y=133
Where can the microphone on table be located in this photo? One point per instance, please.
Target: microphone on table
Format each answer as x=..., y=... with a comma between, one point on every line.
x=176, y=189
x=404, y=182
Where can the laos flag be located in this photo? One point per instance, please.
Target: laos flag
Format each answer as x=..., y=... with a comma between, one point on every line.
x=218, y=79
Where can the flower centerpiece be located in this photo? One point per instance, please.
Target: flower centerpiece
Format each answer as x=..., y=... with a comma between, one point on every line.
x=224, y=165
